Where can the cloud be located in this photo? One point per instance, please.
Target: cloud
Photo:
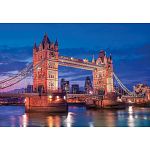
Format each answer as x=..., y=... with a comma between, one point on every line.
x=14, y=58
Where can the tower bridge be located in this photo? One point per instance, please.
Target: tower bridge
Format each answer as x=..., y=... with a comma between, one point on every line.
x=78, y=63
x=44, y=69
x=45, y=78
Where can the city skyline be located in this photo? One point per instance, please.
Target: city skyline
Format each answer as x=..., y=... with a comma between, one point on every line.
x=128, y=44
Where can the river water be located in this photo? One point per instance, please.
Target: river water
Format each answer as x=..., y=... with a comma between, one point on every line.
x=15, y=116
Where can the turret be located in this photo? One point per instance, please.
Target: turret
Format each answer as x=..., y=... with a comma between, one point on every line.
x=45, y=39
x=46, y=42
x=93, y=60
x=110, y=57
x=102, y=57
x=35, y=47
x=56, y=45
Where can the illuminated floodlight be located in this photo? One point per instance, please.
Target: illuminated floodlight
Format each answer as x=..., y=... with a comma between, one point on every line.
x=64, y=97
x=57, y=97
x=90, y=92
x=50, y=96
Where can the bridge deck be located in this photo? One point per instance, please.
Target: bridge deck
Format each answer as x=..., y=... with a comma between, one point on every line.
x=78, y=63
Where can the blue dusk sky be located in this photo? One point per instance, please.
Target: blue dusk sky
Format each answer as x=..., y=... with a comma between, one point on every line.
x=129, y=45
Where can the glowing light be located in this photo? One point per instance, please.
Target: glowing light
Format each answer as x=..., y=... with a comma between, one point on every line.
x=25, y=120
x=130, y=101
x=130, y=110
x=25, y=100
x=50, y=121
x=91, y=124
x=91, y=92
x=69, y=121
x=145, y=117
x=64, y=97
x=57, y=97
x=50, y=96
x=131, y=119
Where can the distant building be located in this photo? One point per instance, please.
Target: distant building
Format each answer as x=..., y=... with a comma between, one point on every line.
x=29, y=89
x=88, y=86
x=65, y=86
x=75, y=88
x=119, y=90
x=140, y=89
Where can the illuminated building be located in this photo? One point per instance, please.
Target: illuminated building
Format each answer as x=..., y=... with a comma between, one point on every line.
x=88, y=85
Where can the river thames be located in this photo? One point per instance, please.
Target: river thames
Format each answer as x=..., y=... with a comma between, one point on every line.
x=77, y=116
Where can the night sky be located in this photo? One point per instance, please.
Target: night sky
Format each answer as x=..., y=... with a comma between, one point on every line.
x=129, y=45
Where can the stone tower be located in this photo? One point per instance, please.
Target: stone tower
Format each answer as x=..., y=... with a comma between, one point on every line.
x=45, y=76
x=103, y=77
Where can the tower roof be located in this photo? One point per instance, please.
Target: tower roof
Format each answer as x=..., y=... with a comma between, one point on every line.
x=110, y=56
x=93, y=60
x=56, y=43
x=102, y=55
x=45, y=39
x=34, y=45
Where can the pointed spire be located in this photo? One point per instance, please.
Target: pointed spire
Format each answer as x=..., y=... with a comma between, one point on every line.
x=34, y=47
x=102, y=55
x=45, y=39
x=110, y=56
x=93, y=60
x=56, y=43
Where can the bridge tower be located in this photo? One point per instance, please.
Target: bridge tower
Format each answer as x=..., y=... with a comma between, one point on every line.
x=103, y=77
x=45, y=77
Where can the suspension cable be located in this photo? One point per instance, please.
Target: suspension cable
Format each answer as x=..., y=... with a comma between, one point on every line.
x=122, y=85
x=20, y=76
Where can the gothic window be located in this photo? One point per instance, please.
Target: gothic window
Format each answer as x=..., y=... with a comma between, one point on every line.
x=100, y=76
x=51, y=76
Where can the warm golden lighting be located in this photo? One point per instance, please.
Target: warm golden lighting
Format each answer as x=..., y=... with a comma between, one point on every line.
x=130, y=109
x=131, y=119
x=50, y=96
x=24, y=120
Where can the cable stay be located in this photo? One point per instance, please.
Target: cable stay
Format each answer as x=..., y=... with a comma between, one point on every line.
x=20, y=76
x=122, y=85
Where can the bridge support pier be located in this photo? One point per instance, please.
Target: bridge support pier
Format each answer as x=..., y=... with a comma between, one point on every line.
x=46, y=103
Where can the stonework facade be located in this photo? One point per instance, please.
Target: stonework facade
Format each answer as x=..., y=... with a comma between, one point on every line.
x=103, y=78
x=45, y=77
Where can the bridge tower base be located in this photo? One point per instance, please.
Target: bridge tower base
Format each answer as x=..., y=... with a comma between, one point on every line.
x=55, y=102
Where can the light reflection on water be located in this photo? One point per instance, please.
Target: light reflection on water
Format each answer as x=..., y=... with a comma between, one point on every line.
x=131, y=118
x=11, y=116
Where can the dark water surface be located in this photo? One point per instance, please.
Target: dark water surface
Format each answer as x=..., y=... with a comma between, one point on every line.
x=15, y=116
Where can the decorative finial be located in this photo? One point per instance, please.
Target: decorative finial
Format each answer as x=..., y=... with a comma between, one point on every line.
x=110, y=56
x=56, y=42
x=93, y=60
x=34, y=45
x=45, y=39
